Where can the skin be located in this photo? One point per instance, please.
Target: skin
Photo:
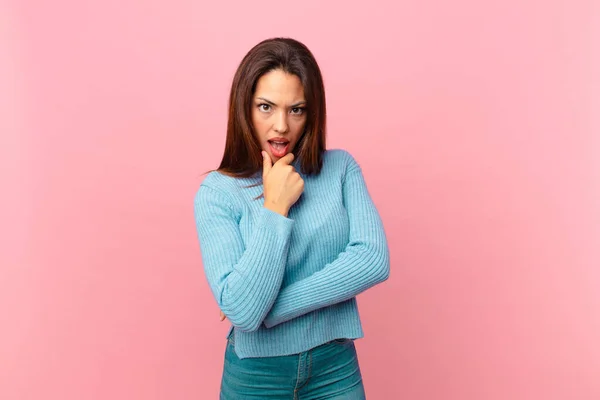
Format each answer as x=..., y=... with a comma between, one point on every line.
x=279, y=109
x=279, y=112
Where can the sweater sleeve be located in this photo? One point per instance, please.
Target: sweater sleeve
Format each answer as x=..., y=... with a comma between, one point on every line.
x=363, y=263
x=245, y=280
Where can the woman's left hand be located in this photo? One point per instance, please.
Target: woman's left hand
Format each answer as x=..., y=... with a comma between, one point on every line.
x=222, y=317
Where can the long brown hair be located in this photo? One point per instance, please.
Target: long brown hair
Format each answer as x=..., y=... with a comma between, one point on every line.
x=242, y=155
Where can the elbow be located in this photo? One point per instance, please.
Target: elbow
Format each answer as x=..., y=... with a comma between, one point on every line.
x=383, y=273
x=247, y=326
x=243, y=321
x=375, y=257
x=381, y=267
x=242, y=317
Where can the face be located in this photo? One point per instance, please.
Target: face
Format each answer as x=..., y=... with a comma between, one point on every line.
x=278, y=112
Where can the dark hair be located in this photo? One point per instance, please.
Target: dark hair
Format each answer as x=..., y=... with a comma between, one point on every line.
x=242, y=155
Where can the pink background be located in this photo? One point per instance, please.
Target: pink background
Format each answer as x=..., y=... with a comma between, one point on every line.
x=477, y=126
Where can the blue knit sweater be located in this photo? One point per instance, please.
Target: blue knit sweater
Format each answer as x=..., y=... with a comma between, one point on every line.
x=289, y=284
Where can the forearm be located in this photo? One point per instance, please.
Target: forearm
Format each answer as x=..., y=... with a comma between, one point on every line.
x=250, y=289
x=358, y=268
x=245, y=278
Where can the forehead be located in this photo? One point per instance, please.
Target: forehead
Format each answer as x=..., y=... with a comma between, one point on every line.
x=279, y=84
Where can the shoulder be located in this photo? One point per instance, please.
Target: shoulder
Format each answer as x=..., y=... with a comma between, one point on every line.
x=218, y=180
x=215, y=188
x=340, y=159
x=219, y=189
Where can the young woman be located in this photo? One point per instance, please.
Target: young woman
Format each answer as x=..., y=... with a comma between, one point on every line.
x=289, y=236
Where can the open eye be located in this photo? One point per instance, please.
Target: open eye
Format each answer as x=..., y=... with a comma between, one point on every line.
x=264, y=107
x=298, y=110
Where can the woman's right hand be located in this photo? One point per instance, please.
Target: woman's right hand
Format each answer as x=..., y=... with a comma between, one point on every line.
x=281, y=183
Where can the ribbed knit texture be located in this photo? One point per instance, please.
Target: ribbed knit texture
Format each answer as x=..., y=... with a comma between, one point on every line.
x=289, y=284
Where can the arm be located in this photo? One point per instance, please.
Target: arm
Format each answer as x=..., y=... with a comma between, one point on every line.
x=244, y=281
x=363, y=264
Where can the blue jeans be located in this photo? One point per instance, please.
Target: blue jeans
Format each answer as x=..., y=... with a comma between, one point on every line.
x=329, y=371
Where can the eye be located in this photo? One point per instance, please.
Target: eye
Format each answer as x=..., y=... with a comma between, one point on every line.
x=298, y=110
x=264, y=107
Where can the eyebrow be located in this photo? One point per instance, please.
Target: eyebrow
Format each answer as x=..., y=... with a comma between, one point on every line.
x=273, y=104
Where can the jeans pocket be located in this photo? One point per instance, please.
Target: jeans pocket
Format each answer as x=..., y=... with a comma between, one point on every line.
x=230, y=339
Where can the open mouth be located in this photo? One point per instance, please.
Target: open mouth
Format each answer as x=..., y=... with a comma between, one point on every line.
x=279, y=147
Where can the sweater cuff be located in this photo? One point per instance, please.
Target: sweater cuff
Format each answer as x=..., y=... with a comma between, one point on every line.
x=277, y=223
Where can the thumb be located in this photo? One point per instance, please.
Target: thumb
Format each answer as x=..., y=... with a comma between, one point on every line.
x=267, y=165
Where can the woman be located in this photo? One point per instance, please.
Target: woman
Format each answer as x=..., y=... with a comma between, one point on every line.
x=289, y=236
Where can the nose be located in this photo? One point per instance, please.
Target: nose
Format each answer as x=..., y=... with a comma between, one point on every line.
x=281, y=123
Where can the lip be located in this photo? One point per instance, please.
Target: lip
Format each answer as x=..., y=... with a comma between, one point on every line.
x=276, y=152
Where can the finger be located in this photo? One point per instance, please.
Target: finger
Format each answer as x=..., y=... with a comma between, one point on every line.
x=267, y=165
x=287, y=159
x=222, y=316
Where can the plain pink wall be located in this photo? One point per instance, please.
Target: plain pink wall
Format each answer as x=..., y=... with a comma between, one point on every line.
x=476, y=124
